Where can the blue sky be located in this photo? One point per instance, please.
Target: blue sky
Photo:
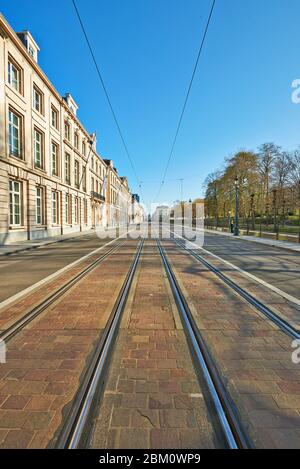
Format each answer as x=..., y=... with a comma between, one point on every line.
x=146, y=50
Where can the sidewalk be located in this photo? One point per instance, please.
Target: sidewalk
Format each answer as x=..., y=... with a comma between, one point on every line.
x=270, y=242
x=7, y=249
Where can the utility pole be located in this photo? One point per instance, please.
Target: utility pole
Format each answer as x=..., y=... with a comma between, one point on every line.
x=181, y=203
x=181, y=189
x=236, y=226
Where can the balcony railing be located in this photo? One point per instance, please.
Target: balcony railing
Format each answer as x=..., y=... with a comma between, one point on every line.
x=97, y=196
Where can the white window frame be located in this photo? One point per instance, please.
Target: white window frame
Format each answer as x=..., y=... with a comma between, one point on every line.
x=55, y=207
x=76, y=173
x=15, y=200
x=54, y=112
x=38, y=148
x=67, y=131
x=76, y=208
x=68, y=211
x=76, y=140
x=39, y=204
x=15, y=134
x=37, y=103
x=14, y=81
x=67, y=168
x=54, y=159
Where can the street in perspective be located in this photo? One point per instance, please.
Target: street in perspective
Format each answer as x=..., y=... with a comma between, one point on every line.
x=149, y=229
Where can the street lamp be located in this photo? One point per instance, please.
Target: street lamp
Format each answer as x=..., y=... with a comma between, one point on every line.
x=236, y=225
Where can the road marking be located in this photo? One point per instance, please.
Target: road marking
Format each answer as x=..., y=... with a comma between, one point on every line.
x=38, y=284
x=288, y=297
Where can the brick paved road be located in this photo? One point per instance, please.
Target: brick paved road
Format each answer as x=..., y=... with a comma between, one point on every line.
x=279, y=267
x=45, y=361
x=22, y=270
x=253, y=356
x=153, y=398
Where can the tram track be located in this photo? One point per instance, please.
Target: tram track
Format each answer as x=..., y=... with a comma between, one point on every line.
x=23, y=321
x=281, y=323
x=77, y=425
x=226, y=411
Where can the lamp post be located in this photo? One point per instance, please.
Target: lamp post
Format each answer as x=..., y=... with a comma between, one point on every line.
x=252, y=210
x=229, y=220
x=275, y=210
x=236, y=225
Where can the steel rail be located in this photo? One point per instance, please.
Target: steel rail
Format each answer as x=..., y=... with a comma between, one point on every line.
x=76, y=430
x=234, y=434
x=12, y=330
x=265, y=310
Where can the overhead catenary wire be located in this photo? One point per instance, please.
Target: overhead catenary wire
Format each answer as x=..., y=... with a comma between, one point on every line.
x=106, y=92
x=186, y=98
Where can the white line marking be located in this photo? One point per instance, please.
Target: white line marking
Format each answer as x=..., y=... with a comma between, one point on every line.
x=27, y=290
x=288, y=297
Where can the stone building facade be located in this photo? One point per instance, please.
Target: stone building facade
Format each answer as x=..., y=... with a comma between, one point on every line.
x=52, y=180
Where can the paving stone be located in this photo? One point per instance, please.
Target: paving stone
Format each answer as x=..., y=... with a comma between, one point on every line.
x=17, y=402
x=120, y=417
x=40, y=402
x=146, y=386
x=165, y=439
x=125, y=386
x=145, y=418
x=134, y=438
x=173, y=418
x=17, y=439
x=275, y=419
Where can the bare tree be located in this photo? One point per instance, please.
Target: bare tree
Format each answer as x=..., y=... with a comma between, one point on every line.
x=295, y=177
x=267, y=153
x=282, y=170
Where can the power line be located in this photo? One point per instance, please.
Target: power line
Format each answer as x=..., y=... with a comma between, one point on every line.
x=186, y=98
x=105, y=91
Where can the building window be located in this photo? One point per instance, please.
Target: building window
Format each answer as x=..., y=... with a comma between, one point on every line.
x=38, y=148
x=83, y=149
x=67, y=131
x=68, y=168
x=37, y=100
x=84, y=179
x=55, y=208
x=68, y=209
x=54, y=159
x=76, y=140
x=76, y=210
x=76, y=173
x=15, y=207
x=39, y=206
x=15, y=134
x=85, y=216
x=92, y=184
x=14, y=75
x=54, y=117
x=31, y=51
x=92, y=163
